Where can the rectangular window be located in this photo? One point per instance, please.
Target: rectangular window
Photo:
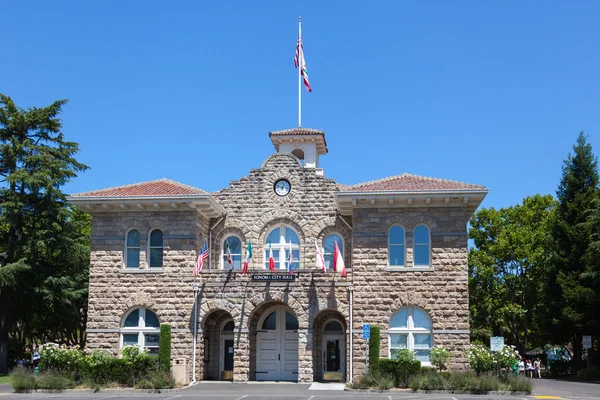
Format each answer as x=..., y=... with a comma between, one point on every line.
x=421, y=255
x=396, y=255
x=130, y=339
x=397, y=341
x=133, y=258
x=156, y=258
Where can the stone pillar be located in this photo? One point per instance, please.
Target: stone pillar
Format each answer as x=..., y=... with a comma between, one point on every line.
x=305, y=356
x=241, y=357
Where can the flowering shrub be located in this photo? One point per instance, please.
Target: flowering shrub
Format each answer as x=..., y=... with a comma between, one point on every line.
x=482, y=359
x=440, y=357
x=61, y=359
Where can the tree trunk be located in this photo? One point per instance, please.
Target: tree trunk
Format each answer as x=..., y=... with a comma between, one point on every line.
x=3, y=348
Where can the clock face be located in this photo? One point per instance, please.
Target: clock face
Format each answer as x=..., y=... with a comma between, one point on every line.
x=282, y=187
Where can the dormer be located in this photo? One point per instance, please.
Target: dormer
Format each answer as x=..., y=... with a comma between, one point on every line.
x=305, y=143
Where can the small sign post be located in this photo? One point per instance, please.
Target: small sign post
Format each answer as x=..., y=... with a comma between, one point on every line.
x=496, y=343
x=367, y=335
x=587, y=344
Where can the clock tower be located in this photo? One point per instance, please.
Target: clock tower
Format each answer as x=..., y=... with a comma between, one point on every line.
x=305, y=143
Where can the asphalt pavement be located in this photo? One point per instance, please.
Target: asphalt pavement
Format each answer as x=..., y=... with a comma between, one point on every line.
x=544, y=389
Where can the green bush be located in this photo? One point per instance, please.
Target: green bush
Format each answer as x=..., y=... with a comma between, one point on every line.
x=22, y=380
x=162, y=380
x=373, y=381
x=407, y=366
x=588, y=375
x=374, y=343
x=388, y=367
x=560, y=367
x=440, y=357
x=54, y=382
x=469, y=382
x=164, y=349
x=482, y=359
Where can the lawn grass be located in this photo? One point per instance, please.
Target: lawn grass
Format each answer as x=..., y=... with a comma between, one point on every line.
x=4, y=379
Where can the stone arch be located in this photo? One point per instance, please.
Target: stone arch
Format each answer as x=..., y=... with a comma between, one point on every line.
x=336, y=226
x=273, y=217
x=140, y=225
x=211, y=326
x=274, y=156
x=409, y=223
x=217, y=305
x=260, y=306
x=317, y=325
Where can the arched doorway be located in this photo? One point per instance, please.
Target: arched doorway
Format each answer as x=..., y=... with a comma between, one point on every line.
x=277, y=345
x=218, y=346
x=329, y=346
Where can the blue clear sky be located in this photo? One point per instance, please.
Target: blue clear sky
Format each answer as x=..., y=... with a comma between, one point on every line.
x=492, y=92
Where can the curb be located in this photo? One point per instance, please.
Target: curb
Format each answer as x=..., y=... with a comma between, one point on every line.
x=106, y=390
x=496, y=393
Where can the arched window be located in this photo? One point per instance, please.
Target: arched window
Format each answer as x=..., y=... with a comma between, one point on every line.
x=141, y=328
x=228, y=327
x=234, y=244
x=422, y=249
x=155, y=247
x=396, y=247
x=300, y=154
x=410, y=328
x=270, y=322
x=132, y=248
x=329, y=248
x=280, y=240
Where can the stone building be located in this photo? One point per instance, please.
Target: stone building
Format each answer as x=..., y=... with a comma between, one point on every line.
x=403, y=241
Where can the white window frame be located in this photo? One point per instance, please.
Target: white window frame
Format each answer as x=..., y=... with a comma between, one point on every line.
x=332, y=255
x=396, y=245
x=428, y=265
x=127, y=247
x=223, y=264
x=410, y=330
x=141, y=329
x=150, y=247
x=279, y=249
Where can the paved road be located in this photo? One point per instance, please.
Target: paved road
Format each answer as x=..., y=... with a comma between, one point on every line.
x=254, y=391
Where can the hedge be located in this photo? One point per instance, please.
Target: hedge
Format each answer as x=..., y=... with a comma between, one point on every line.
x=164, y=350
x=374, y=343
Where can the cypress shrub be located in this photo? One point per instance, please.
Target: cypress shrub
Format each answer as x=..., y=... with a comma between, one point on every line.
x=164, y=349
x=374, y=344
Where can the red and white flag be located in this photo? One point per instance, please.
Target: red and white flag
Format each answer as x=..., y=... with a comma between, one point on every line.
x=319, y=257
x=338, y=261
x=229, y=258
x=299, y=62
x=248, y=258
x=271, y=259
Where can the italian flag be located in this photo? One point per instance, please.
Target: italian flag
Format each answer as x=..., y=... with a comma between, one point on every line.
x=271, y=259
x=248, y=258
x=338, y=261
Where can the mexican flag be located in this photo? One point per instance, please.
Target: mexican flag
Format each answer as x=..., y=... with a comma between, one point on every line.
x=338, y=261
x=248, y=258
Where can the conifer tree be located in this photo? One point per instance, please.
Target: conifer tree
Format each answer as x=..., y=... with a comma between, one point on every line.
x=35, y=161
x=571, y=295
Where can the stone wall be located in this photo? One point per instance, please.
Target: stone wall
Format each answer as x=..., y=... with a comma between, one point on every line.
x=252, y=210
x=441, y=290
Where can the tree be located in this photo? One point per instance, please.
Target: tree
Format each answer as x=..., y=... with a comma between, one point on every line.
x=571, y=294
x=508, y=269
x=35, y=161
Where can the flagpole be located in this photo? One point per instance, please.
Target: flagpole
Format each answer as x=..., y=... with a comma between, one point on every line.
x=300, y=56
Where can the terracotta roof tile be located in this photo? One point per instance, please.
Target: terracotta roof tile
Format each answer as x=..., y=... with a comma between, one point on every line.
x=297, y=131
x=409, y=182
x=160, y=187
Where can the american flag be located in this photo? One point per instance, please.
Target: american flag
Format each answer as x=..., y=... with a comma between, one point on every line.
x=203, y=255
x=301, y=63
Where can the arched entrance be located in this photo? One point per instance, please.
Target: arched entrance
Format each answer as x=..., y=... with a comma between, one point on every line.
x=329, y=346
x=218, y=346
x=277, y=345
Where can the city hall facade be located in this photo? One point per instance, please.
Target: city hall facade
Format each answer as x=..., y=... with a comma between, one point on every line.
x=403, y=240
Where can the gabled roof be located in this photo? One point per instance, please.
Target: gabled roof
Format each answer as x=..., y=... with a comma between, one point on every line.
x=412, y=183
x=158, y=188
